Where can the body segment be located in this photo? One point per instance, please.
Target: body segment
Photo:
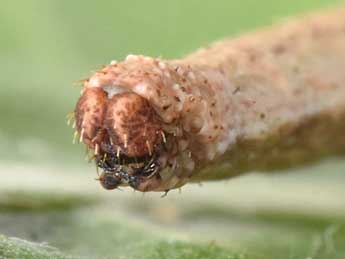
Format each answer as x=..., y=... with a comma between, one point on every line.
x=266, y=100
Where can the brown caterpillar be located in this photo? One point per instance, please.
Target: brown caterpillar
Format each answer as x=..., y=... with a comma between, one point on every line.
x=269, y=99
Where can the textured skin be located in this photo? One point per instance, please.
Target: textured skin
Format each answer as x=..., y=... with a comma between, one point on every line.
x=265, y=100
x=132, y=124
x=90, y=115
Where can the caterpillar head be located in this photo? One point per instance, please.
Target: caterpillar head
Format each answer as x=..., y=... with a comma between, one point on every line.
x=126, y=135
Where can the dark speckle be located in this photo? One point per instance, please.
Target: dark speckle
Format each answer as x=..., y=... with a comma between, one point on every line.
x=165, y=107
x=279, y=49
x=237, y=89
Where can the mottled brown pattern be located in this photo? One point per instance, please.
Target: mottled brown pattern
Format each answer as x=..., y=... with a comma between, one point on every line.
x=126, y=120
x=133, y=125
x=89, y=115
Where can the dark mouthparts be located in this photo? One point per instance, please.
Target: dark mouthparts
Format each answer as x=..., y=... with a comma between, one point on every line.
x=120, y=169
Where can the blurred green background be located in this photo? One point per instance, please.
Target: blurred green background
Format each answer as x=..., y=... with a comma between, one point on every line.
x=47, y=190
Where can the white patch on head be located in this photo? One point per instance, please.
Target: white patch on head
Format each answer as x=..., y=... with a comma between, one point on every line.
x=94, y=82
x=132, y=57
x=113, y=62
x=113, y=90
x=148, y=59
x=140, y=89
x=161, y=65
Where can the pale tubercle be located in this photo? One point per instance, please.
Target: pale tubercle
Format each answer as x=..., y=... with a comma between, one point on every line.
x=261, y=101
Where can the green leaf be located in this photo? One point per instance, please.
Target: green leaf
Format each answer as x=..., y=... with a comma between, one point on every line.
x=18, y=248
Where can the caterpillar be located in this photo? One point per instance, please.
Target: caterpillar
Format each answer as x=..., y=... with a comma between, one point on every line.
x=269, y=99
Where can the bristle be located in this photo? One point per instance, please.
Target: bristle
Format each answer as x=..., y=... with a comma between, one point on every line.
x=149, y=147
x=118, y=153
x=96, y=149
x=70, y=117
x=81, y=135
x=163, y=136
x=165, y=194
x=126, y=140
x=80, y=82
x=75, y=137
